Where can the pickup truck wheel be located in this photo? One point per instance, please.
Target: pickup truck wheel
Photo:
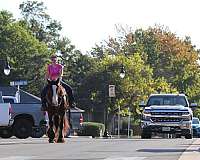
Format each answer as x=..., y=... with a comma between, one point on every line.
x=146, y=135
x=6, y=133
x=38, y=133
x=188, y=136
x=178, y=135
x=22, y=128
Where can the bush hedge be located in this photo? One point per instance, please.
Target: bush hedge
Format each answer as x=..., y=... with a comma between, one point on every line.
x=93, y=129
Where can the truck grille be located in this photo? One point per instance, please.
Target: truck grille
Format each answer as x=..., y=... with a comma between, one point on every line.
x=167, y=113
x=165, y=119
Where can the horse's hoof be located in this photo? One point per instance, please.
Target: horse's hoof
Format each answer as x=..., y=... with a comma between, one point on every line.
x=61, y=141
x=51, y=141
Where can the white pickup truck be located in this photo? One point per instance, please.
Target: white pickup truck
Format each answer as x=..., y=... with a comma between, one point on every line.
x=29, y=120
x=6, y=120
x=167, y=113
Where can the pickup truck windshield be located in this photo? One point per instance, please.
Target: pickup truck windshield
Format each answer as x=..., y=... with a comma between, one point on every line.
x=167, y=100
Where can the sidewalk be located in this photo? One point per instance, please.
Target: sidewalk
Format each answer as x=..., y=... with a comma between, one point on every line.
x=192, y=152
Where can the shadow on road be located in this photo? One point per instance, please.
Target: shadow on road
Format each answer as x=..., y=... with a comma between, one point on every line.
x=167, y=150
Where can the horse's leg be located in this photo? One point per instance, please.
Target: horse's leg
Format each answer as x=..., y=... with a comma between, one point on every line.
x=50, y=131
x=61, y=138
x=64, y=126
x=56, y=124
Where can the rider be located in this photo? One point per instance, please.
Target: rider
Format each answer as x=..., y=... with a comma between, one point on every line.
x=54, y=72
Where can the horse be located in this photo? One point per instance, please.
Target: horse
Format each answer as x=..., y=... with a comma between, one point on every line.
x=57, y=105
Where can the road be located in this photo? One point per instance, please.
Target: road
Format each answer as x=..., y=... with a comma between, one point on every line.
x=100, y=149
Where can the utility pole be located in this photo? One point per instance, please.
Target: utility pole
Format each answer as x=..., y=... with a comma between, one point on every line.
x=118, y=130
x=129, y=121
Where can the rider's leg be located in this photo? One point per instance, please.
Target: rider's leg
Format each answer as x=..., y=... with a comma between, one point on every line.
x=69, y=91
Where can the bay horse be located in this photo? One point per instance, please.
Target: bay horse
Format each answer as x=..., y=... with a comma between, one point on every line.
x=57, y=105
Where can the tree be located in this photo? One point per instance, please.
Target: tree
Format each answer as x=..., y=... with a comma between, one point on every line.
x=42, y=26
x=172, y=59
x=25, y=53
x=136, y=84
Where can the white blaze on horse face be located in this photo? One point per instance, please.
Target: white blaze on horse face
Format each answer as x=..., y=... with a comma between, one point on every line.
x=55, y=96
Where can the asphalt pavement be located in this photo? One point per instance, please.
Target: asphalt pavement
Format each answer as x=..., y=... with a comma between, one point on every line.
x=87, y=148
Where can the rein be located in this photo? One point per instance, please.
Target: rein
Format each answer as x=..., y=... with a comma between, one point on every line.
x=61, y=99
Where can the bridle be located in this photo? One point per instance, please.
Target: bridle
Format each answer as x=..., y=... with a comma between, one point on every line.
x=57, y=94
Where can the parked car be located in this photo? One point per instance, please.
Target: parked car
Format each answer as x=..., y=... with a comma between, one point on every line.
x=76, y=118
x=196, y=127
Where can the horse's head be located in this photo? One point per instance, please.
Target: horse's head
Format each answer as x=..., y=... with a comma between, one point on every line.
x=57, y=96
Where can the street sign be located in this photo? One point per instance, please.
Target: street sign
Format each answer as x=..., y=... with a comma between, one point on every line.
x=111, y=90
x=18, y=83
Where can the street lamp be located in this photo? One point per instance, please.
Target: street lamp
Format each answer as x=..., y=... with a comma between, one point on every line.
x=122, y=72
x=111, y=95
x=6, y=67
x=122, y=75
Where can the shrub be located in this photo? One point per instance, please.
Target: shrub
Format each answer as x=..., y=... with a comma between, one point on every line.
x=91, y=129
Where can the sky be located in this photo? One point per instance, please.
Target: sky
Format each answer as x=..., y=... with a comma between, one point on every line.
x=89, y=22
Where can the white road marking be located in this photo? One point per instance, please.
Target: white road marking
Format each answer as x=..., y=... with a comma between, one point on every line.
x=19, y=142
x=125, y=158
x=192, y=152
x=17, y=158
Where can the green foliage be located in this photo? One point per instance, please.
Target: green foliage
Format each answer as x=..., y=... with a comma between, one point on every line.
x=170, y=57
x=25, y=53
x=197, y=113
x=42, y=26
x=92, y=129
x=47, y=30
x=155, y=60
x=137, y=82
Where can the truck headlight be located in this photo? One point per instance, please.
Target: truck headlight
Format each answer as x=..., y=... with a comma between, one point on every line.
x=187, y=117
x=146, y=115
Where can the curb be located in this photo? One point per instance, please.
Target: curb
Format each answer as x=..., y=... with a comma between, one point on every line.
x=192, y=152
